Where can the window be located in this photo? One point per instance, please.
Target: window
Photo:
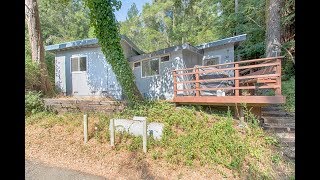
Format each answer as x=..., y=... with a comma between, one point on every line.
x=136, y=64
x=78, y=64
x=211, y=61
x=164, y=58
x=150, y=67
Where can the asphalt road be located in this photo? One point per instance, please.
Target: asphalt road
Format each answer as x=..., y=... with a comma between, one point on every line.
x=39, y=171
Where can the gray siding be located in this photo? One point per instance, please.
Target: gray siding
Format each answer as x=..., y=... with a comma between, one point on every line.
x=161, y=86
x=98, y=78
x=128, y=50
x=226, y=52
x=191, y=58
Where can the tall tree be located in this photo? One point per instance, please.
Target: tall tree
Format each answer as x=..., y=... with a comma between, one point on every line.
x=37, y=49
x=107, y=31
x=133, y=11
x=63, y=20
x=273, y=33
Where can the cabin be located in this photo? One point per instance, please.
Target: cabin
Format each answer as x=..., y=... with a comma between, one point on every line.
x=82, y=70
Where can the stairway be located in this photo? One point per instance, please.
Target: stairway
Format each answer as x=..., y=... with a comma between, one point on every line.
x=276, y=120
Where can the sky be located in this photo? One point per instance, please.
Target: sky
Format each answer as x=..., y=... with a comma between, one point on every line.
x=126, y=4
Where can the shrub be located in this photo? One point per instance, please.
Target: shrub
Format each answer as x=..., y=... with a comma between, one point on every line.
x=32, y=75
x=33, y=102
x=288, y=90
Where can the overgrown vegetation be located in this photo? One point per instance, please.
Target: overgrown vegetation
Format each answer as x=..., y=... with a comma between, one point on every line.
x=106, y=29
x=288, y=90
x=196, y=135
x=33, y=102
x=193, y=136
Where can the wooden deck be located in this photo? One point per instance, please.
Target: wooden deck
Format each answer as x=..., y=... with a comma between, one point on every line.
x=239, y=83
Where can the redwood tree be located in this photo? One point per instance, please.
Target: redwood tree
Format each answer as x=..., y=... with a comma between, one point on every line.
x=273, y=44
x=37, y=49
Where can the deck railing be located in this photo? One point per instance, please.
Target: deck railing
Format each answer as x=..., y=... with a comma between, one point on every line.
x=249, y=75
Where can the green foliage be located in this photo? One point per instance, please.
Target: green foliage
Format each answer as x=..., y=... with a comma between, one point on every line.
x=49, y=58
x=133, y=11
x=194, y=134
x=32, y=75
x=168, y=23
x=288, y=90
x=106, y=29
x=63, y=21
x=101, y=132
x=33, y=102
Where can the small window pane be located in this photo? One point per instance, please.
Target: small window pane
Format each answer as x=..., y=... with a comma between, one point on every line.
x=74, y=64
x=154, y=65
x=136, y=64
x=164, y=58
x=83, y=63
x=212, y=61
x=145, y=68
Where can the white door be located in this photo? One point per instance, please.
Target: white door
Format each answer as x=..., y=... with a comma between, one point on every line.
x=79, y=76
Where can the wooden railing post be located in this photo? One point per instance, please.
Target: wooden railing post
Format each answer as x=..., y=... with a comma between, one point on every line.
x=236, y=81
x=174, y=84
x=197, y=82
x=278, y=71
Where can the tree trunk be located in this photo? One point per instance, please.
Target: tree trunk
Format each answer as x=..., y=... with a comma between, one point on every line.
x=236, y=5
x=273, y=43
x=37, y=49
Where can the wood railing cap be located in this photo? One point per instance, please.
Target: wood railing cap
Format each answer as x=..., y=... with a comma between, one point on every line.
x=224, y=64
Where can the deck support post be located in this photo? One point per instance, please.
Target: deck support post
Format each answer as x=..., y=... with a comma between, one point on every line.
x=236, y=81
x=174, y=84
x=197, y=82
x=278, y=71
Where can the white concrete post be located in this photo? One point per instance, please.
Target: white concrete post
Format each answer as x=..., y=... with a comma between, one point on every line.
x=144, y=135
x=85, y=127
x=112, y=132
x=144, y=131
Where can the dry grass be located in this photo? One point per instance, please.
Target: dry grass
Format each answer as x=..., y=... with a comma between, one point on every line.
x=59, y=141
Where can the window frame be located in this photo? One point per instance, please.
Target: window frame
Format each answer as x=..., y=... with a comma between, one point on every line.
x=155, y=57
x=78, y=56
x=212, y=57
x=137, y=66
x=165, y=56
x=150, y=59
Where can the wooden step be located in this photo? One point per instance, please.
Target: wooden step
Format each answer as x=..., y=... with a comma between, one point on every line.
x=290, y=152
x=276, y=113
x=275, y=127
x=279, y=120
x=272, y=108
x=288, y=142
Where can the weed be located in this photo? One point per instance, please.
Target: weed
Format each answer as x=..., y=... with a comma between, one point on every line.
x=288, y=90
x=191, y=135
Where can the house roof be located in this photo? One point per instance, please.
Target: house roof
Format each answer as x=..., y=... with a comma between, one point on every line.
x=166, y=50
x=93, y=42
x=234, y=39
x=198, y=49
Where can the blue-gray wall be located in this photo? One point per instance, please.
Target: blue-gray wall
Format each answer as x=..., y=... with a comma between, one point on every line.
x=226, y=53
x=100, y=78
x=161, y=86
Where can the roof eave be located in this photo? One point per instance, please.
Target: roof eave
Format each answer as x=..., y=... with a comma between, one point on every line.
x=234, y=39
